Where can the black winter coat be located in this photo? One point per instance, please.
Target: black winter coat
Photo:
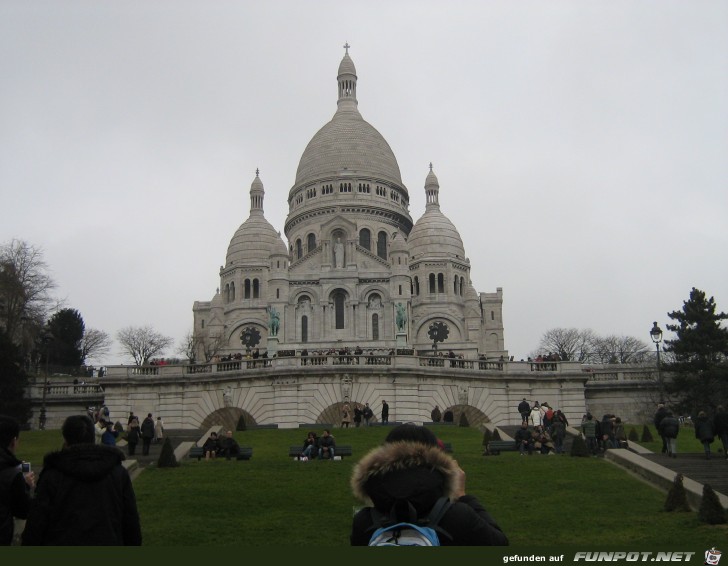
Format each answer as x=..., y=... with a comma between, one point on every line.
x=704, y=429
x=669, y=427
x=84, y=497
x=14, y=495
x=419, y=475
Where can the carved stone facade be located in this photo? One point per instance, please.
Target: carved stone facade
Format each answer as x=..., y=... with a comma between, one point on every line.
x=353, y=256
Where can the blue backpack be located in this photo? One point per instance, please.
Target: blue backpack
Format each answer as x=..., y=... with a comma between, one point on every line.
x=389, y=532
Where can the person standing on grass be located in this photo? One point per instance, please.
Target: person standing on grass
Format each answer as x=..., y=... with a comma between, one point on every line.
x=345, y=416
x=367, y=413
x=357, y=415
x=385, y=412
x=15, y=486
x=84, y=495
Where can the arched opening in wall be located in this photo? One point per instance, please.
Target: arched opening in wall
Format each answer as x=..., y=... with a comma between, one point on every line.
x=474, y=417
x=232, y=291
x=311, y=243
x=338, y=245
x=365, y=239
x=462, y=285
x=226, y=295
x=455, y=286
x=256, y=289
x=228, y=418
x=375, y=327
x=417, y=286
x=246, y=289
x=304, y=328
x=382, y=245
x=432, y=283
x=440, y=283
x=339, y=299
x=299, y=249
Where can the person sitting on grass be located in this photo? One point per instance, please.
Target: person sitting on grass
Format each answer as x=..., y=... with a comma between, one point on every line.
x=228, y=446
x=211, y=446
x=327, y=446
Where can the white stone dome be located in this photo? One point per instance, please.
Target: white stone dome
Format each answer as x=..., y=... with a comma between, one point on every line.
x=347, y=144
x=433, y=235
x=256, y=239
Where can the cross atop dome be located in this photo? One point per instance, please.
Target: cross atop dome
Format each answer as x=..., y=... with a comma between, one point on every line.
x=346, y=46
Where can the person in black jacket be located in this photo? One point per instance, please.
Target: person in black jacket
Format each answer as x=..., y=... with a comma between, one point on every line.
x=525, y=410
x=147, y=434
x=669, y=429
x=410, y=473
x=84, y=495
x=15, y=486
x=660, y=414
x=720, y=427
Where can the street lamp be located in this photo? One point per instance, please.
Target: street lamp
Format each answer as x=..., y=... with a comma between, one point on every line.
x=47, y=338
x=656, y=335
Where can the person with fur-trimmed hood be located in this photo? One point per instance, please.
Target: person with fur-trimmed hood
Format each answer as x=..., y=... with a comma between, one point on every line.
x=408, y=474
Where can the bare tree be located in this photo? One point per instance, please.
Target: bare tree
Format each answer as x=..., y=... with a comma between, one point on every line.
x=615, y=349
x=194, y=345
x=25, y=288
x=142, y=343
x=95, y=344
x=571, y=344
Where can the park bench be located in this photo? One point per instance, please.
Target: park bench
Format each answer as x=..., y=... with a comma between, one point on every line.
x=340, y=450
x=495, y=447
x=246, y=453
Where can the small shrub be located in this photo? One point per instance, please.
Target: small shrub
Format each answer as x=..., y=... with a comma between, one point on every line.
x=711, y=511
x=579, y=447
x=167, y=458
x=241, y=423
x=464, y=421
x=677, y=498
x=633, y=436
x=646, y=434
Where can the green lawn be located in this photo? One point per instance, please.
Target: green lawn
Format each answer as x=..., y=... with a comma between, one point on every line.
x=272, y=500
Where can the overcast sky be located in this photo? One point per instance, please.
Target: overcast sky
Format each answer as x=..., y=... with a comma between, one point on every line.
x=581, y=146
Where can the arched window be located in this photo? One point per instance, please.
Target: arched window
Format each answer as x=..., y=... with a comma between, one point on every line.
x=339, y=299
x=299, y=249
x=440, y=283
x=278, y=293
x=462, y=285
x=311, y=243
x=375, y=327
x=304, y=329
x=246, y=289
x=432, y=283
x=226, y=296
x=417, y=286
x=455, y=287
x=365, y=239
x=232, y=291
x=256, y=289
x=382, y=245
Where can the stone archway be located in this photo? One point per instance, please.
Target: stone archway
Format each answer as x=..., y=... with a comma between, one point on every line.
x=474, y=416
x=228, y=418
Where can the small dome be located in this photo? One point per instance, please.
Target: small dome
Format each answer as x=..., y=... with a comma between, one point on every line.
x=433, y=235
x=256, y=239
x=398, y=244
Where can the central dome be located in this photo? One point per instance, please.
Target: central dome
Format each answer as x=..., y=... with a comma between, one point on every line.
x=347, y=144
